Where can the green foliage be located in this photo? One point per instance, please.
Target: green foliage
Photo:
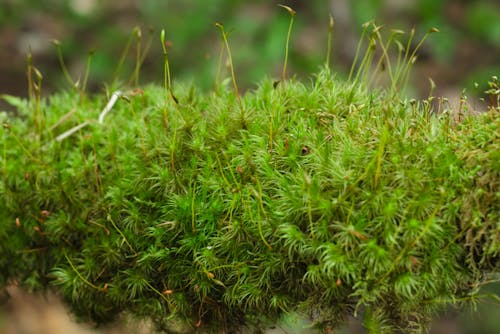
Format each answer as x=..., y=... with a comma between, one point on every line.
x=215, y=211
x=468, y=27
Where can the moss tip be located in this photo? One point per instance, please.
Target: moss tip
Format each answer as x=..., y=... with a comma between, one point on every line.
x=288, y=9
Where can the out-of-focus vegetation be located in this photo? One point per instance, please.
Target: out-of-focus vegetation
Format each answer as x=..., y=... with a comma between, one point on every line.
x=466, y=50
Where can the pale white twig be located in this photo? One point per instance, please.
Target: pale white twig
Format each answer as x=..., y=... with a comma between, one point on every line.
x=103, y=114
x=71, y=131
x=110, y=105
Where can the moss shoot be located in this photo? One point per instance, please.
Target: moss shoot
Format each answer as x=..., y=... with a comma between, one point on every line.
x=212, y=211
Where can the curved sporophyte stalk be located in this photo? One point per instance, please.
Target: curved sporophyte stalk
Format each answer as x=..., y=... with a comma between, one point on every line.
x=140, y=53
x=403, y=74
x=34, y=93
x=385, y=62
x=358, y=50
x=138, y=59
x=108, y=217
x=167, y=83
x=365, y=66
x=329, y=42
x=123, y=56
x=288, y=35
x=71, y=82
x=283, y=79
x=219, y=67
x=258, y=195
x=87, y=70
x=229, y=55
x=87, y=282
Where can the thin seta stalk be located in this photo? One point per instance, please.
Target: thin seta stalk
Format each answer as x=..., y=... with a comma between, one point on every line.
x=402, y=75
x=72, y=83
x=258, y=196
x=356, y=69
x=139, y=54
x=31, y=93
x=287, y=44
x=331, y=26
x=384, y=62
x=76, y=85
x=219, y=67
x=148, y=45
x=167, y=83
x=123, y=56
x=283, y=76
x=108, y=217
x=166, y=76
x=228, y=49
x=37, y=87
x=84, y=280
x=358, y=50
x=364, y=67
x=87, y=70
x=35, y=93
x=138, y=57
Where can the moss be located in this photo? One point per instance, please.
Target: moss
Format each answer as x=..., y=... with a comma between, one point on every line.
x=215, y=211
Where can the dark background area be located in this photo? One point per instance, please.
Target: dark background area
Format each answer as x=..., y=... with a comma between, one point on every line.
x=466, y=51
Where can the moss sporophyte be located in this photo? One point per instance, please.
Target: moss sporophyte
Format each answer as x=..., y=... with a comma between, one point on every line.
x=214, y=211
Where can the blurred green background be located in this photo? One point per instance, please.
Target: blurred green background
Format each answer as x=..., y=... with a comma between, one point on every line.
x=467, y=50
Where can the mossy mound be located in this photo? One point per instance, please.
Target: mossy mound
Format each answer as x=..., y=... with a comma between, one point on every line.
x=325, y=198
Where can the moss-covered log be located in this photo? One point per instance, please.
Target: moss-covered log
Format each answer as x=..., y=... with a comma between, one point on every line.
x=325, y=199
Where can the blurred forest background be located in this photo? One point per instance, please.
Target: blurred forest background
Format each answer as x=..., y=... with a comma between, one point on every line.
x=466, y=51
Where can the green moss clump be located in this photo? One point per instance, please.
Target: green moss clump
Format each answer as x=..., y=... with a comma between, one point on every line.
x=325, y=198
